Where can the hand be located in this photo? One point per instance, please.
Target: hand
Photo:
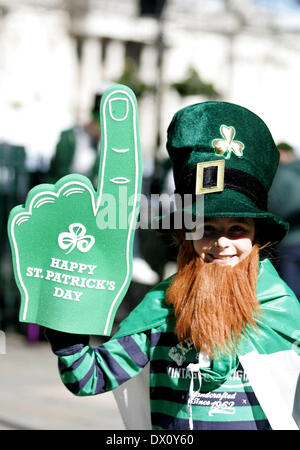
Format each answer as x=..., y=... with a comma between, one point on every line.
x=72, y=245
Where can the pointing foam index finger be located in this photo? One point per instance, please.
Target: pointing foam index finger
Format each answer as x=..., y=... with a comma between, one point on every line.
x=120, y=155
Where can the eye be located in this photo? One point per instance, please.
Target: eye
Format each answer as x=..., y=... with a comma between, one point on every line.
x=238, y=230
x=209, y=230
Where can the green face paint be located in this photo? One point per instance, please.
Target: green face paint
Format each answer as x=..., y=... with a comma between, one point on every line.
x=72, y=245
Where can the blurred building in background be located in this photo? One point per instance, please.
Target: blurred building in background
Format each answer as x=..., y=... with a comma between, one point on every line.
x=55, y=54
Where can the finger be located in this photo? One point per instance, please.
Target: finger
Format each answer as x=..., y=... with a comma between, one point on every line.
x=120, y=158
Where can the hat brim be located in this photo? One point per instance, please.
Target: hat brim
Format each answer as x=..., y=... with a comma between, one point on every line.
x=230, y=203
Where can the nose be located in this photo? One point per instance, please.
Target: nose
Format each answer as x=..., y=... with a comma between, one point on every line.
x=222, y=242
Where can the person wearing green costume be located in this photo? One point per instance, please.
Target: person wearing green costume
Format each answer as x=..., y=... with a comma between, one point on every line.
x=215, y=346
x=77, y=147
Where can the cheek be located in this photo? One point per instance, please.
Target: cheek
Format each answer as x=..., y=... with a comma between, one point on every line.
x=201, y=245
x=244, y=247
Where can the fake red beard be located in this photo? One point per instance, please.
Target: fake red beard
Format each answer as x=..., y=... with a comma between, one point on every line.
x=213, y=304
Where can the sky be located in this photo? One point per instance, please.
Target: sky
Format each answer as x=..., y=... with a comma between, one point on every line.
x=280, y=5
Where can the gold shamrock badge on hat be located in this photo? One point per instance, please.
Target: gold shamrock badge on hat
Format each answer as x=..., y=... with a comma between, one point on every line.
x=227, y=145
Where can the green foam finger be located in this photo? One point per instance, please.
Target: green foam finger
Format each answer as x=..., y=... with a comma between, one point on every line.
x=72, y=254
x=120, y=164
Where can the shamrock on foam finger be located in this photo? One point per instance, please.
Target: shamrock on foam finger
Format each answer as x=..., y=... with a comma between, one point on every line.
x=72, y=245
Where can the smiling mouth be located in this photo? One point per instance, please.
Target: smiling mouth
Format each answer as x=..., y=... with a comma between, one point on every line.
x=221, y=258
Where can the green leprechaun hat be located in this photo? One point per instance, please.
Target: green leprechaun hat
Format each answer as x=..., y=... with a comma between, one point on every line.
x=227, y=153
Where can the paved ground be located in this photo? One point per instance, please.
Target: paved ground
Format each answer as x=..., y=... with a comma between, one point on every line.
x=33, y=397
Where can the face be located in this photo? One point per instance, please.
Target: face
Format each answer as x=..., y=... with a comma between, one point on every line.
x=226, y=240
